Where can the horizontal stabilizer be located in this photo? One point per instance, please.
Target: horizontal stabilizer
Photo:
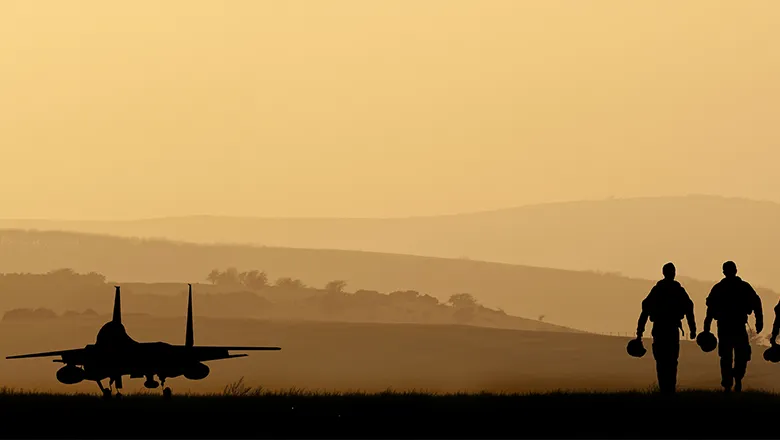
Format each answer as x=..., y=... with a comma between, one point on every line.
x=216, y=352
x=238, y=348
x=236, y=356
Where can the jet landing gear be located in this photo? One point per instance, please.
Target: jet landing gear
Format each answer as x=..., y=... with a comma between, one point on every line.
x=167, y=393
x=118, y=382
x=108, y=391
x=150, y=382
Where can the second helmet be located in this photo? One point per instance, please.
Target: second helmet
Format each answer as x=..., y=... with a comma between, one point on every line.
x=706, y=341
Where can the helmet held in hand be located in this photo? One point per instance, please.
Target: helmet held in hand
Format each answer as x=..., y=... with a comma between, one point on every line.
x=635, y=348
x=706, y=341
x=772, y=354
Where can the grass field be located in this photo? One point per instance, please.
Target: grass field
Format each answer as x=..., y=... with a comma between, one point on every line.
x=240, y=412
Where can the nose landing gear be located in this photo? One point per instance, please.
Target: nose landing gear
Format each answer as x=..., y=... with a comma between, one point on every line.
x=108, y=391
x=167, y=393
x=118, y=381
x=150, y=382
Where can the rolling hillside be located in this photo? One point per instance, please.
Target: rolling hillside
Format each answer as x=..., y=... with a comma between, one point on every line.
x=582, y=300
x=64, y=295
x=632, y=236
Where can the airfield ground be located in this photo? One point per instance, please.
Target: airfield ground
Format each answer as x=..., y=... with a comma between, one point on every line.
x=341, y=357
x=694, y=414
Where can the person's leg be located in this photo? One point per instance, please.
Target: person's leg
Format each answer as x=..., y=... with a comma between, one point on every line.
x=674, y=356
x=742, y=355
x=666, y=352
x=725, y=349
x=658, y=355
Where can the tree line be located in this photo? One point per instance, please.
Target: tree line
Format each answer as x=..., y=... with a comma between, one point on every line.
x=67, y=279
x=259, y=280
x=244, y=294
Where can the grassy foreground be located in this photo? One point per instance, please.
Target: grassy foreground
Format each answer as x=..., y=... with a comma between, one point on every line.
x=241, y=412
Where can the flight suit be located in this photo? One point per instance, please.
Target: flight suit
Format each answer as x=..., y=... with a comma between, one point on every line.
x=665, y=306
x=730, y=302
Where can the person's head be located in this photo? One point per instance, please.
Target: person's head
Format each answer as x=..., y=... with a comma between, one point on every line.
x=669, y=271
x=729, y=269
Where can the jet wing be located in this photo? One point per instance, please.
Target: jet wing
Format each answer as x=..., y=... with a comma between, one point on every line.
x=75, y=352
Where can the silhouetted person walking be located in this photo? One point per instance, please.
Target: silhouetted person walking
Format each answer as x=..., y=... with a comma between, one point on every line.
x=666, y=305
x=730, y=302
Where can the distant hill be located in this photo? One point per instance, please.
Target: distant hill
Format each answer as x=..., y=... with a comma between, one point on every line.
x=588, y=301
x=632, y=236
x=60, y=294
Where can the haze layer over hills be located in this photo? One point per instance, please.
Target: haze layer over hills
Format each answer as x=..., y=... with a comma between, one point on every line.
x=632, y=236
x=588, y=301
x=240, y=295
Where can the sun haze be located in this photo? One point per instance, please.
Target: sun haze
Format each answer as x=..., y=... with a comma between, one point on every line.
x=353, y=108
x=408, y=195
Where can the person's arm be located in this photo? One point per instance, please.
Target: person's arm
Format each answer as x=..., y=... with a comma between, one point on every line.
x=776, y=324
x=707, y=324
x=689, y=316
x=758, y=309
x=710, y=309
x=640, y=328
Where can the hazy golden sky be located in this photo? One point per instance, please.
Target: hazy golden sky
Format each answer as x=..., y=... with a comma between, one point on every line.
x=372, y=108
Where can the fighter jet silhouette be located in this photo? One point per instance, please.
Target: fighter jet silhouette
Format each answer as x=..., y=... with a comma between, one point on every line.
x=115, y=354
